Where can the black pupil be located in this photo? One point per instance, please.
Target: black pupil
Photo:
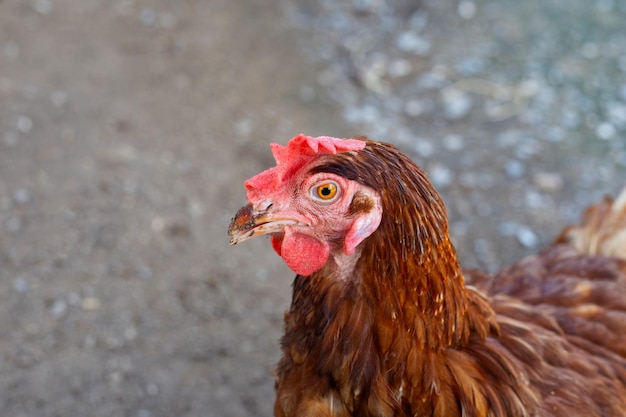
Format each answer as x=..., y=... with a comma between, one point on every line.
x=326, y=191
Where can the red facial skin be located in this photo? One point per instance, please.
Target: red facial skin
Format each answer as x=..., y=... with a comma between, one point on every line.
x=306, y=228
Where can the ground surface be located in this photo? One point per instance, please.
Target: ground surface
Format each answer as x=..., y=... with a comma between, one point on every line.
x=128, y=126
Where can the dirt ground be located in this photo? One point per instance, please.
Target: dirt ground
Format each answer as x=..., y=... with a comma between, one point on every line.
x=128, y=126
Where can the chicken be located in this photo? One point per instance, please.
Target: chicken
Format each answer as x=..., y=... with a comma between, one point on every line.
x=384, y=322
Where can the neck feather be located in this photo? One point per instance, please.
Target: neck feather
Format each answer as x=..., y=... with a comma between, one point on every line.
x=408, y=267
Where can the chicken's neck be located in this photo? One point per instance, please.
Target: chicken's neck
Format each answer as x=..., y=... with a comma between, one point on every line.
x=409, y=272
x=366, y=335
x=422, y=293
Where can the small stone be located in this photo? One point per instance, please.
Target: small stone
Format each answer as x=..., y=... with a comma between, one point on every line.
x=413, y=108
x=514, y=169
x=459, y=228
x=466, y=9
x=196, y=209
x=90, y=304
x=468, y=180
x=130, y=333
x=147, y=17
x=399, y=68
x=605, y=131
x=411, y=42
x=441, y=175
x=424, y=148
x=527, y=148
x=20, y=285
x=531, y=87
x=243, y=127
x=432, y=80
x=22, y=196
x=262, y=274
x=59, y=98
x=536, y=200
x=482, y=247
x=157, y=225
x=24, y=124
x=371, y=75
x=453, y=142
x=509, y=138
x=527, y=237
x=364, y=114
x=69, y=215
x=617, y=113
x=548, y=181
x=115, y=378
x=456, y=103
x=471, y=65
x=123, y=152
x=58, y=308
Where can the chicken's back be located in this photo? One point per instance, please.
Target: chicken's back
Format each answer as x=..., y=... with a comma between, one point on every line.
x=603, y=229
x=563, y=313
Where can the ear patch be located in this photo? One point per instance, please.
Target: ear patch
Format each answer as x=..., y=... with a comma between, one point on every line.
x=368, y=215
x=360, y=204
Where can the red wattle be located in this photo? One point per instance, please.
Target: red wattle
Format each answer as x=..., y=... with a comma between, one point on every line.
x=303, y=254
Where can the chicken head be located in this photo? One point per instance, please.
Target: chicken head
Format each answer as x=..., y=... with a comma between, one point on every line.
x=312, y=216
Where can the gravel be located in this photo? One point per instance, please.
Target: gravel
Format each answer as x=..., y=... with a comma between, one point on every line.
x=128, y=126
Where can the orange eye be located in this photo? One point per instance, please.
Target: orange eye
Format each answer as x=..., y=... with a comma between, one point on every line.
x=326, y=191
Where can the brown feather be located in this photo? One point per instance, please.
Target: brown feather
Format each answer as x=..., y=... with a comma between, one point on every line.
x=603, y=230
x=405, y=336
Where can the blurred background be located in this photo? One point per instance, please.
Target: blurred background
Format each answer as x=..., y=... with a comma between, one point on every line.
x=128, y=126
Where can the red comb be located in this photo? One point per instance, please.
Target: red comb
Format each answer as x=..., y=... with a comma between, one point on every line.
x=298, y=151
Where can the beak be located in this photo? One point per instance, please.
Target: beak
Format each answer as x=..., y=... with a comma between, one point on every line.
x=249, y=223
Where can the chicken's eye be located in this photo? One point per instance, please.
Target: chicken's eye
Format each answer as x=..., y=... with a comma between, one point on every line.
x=325, y=192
